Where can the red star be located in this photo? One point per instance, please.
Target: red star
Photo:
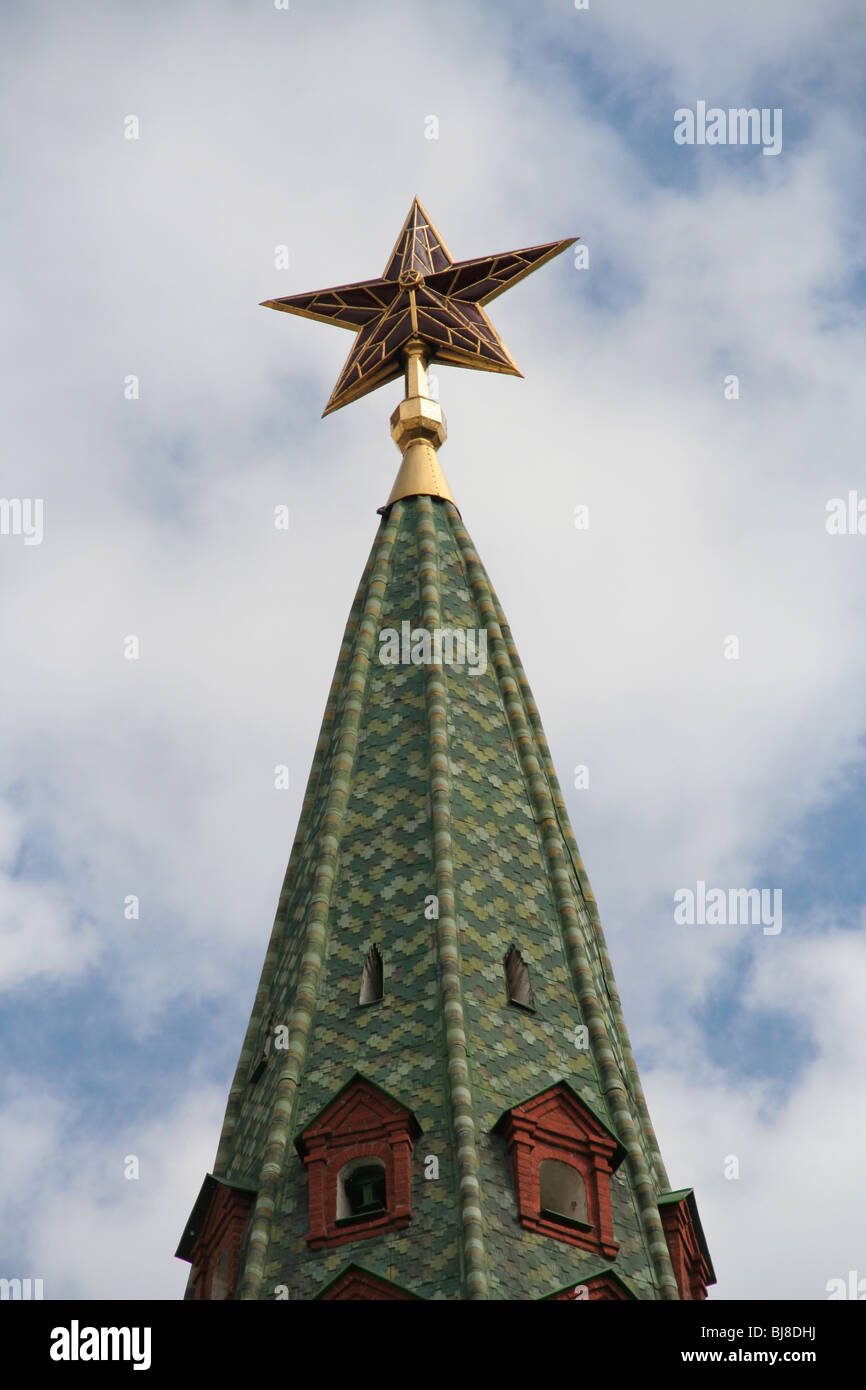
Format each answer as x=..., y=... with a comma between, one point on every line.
x=423, y=293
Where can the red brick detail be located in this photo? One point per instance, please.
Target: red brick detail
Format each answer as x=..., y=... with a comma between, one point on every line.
x=361, y=1122
x=557, y=1125
x=224, y=1229
x=690, y=1267
x=360, y=1285
x=603, y=1287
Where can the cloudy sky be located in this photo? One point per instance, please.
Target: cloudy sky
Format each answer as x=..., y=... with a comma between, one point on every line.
x=707, y=498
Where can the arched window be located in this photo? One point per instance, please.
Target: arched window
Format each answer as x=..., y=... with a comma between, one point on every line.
x=562, y=1192
x=372, y=983
x=517, y=980
x=361, y=1189
x=262, y=1060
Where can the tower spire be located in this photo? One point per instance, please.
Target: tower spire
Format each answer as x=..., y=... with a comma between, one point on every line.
x=436, y=1097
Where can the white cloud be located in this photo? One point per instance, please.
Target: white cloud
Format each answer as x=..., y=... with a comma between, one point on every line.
x=791, y=1220
x=91, y=1232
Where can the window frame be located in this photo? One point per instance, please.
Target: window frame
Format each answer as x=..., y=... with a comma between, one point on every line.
x=557, y=1124
x=361, y=1122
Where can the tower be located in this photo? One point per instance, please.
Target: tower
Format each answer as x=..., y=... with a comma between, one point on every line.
x=436, y=1096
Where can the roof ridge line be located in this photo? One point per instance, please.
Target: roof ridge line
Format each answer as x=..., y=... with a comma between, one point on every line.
x=447, y=940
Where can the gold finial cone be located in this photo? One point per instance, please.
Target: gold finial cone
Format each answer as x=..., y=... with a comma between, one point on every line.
x=420, y=474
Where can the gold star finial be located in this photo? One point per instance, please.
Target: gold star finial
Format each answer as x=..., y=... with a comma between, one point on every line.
x=423, y=297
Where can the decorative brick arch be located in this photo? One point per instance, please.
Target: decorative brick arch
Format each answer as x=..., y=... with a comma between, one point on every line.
x=690, y=1257
x=214, y=1238
x=558, y=1124
x=362, y=1121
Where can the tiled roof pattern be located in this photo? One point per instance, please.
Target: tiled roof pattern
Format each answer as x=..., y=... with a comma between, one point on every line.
x=426, y=779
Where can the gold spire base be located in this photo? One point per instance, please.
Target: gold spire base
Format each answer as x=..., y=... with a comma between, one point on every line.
x=420, y=474
x=418, y=428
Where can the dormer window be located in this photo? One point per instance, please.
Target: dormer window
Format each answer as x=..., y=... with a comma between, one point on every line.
x=360, y=1286
x=214, y=1238
x=690, y=1257
x=358, y=1156
x=606, y=1286
x=562, y=1157
x=373, y=979
x=517, y=982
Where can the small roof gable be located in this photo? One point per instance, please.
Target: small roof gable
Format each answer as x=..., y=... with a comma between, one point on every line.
x=571, y=1102
x=198, y=1216
x=365, y=1285
x=588, y=1277
x=358, y=1105
x=687, y=1195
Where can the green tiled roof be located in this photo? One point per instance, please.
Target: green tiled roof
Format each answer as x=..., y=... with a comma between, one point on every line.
x=436, y=780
